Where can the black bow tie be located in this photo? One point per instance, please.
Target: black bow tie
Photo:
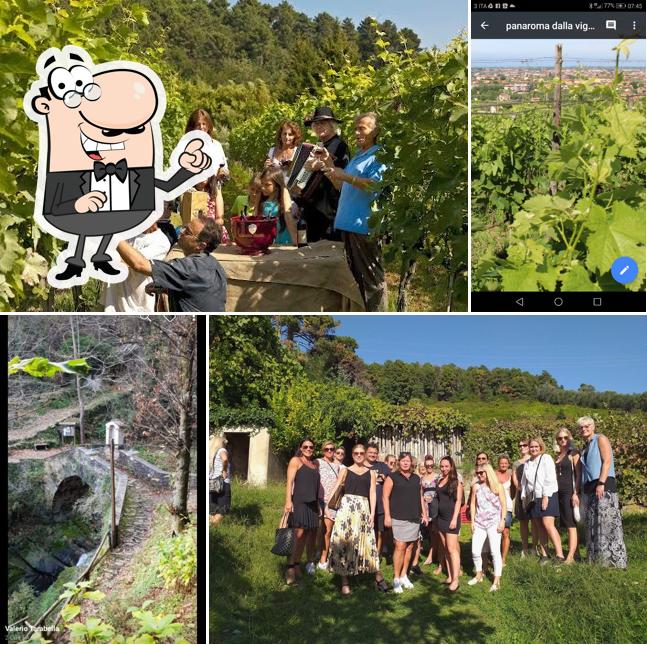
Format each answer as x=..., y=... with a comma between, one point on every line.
x=102, y=169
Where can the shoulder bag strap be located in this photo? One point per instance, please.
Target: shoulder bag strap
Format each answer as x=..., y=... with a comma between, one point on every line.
x=536, y=473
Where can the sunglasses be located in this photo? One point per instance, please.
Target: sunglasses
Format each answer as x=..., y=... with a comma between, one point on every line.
x=307, y=447
x=329, y=450
x=523, y=445
x=562, y=438
x=429, y=465
x=480, y=472
x=358, y=454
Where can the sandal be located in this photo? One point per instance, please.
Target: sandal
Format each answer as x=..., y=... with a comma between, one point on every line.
x=290, y=576
x=381, y=585
x=455, y=589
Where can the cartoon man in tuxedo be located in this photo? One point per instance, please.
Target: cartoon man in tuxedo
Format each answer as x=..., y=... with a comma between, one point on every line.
x=100, y=158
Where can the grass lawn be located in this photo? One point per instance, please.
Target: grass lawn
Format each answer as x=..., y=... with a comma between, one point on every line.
x=249, y=602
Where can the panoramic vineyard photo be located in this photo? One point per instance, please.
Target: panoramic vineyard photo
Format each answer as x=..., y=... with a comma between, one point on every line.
x=102, y=504
x=558, y=167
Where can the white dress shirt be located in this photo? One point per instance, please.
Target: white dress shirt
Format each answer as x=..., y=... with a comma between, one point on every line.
x=117, y=192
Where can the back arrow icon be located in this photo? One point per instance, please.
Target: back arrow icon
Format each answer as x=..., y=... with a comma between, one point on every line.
x=484, y=25
x=519, y=302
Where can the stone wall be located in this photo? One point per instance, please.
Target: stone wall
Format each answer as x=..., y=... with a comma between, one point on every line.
x=93, y=468
x=155, y=476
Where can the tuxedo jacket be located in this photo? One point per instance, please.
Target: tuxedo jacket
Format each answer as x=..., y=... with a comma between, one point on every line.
x=62, y=189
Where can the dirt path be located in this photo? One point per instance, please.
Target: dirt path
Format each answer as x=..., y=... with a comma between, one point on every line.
x=49, y=419
x=15, y=456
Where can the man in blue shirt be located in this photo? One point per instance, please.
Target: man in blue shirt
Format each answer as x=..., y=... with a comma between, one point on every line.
x=355, y=202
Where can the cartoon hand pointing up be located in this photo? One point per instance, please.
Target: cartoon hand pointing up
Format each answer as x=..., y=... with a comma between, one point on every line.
x=194, y=159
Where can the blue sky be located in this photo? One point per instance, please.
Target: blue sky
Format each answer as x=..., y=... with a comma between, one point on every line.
x=608, y=352
x=497, y=52
x=435, y=21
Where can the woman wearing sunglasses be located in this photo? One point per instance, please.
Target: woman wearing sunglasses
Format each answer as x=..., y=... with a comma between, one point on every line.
x=567, y=464
x=519, y=511
x=340, y=455
x=539, y=492
x=353, y=549
x=302, y=502
x=328, y=474
x=429, y=483
x=488, y=512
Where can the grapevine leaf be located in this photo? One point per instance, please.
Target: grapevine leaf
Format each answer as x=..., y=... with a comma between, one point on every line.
x=614, y=235
x=577, y=278
x=523, y=278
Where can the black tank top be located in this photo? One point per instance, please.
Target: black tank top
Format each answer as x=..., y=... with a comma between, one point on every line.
x=564, y=470
x=357, y=484
x=306, y=485
x=405, y=497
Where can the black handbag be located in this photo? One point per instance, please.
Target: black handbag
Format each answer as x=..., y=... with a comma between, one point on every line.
x=217, y=484
x=284, y=538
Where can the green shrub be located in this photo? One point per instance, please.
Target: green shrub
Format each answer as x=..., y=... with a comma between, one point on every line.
x=178, y=560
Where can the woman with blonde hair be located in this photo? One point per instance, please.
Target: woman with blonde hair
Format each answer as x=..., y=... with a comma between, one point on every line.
x=539, y=497
x=220, y=472
x=488, y=512
x=353, y=549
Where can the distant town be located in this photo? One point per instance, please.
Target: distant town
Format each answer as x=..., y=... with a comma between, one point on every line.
x=493, y=86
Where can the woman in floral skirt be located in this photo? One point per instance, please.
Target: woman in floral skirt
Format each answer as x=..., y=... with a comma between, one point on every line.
x=353, y=549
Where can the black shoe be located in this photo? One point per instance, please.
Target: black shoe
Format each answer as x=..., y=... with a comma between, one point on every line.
x=106, y=267
x=557, y=561
x=416, y=570
x=543, y=559
x=71, y=271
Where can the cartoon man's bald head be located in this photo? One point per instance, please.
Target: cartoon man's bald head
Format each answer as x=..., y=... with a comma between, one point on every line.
x=101, y=117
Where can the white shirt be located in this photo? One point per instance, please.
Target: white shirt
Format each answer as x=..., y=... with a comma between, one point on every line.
x=217, y=465
x=117, y=192
x=219, y=154
x=544, y=467
x=130, y=295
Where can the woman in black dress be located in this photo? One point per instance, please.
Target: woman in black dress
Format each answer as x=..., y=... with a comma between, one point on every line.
x=450, y=498
x=567, y=465
x=302, y=502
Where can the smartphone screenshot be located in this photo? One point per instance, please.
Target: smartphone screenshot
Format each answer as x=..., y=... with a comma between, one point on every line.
x=558, y=156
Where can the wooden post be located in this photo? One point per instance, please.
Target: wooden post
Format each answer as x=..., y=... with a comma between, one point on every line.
x=557, y=108
x=114, y=537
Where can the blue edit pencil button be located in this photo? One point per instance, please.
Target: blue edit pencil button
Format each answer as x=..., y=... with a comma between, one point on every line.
x=624, y=270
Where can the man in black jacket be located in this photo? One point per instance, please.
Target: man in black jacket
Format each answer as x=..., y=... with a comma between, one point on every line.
x=319, y=197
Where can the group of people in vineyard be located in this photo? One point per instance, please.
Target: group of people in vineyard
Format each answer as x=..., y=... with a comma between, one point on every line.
x=346, y=517
x=334, y=204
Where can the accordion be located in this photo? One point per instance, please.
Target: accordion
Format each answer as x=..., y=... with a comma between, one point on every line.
x=298, y=174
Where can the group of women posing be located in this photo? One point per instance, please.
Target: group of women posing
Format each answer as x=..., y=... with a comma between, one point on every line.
x=375, y=499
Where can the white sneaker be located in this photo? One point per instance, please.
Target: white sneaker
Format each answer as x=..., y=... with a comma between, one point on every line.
x=397, y=585
x=323, y=566
x=523, y=555
x=406, y=583
x=474, y=581
x=494, y=587
x=310, y=568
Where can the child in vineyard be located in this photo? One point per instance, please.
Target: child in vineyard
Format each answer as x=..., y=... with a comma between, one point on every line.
x=212, y=188
x=274, y=200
